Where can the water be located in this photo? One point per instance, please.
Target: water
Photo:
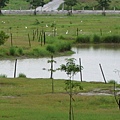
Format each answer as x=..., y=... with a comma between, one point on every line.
x=108, y=57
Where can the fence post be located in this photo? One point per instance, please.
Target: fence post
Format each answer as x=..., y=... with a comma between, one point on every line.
x=15, y=68
x=80, y=69
x=102, y=73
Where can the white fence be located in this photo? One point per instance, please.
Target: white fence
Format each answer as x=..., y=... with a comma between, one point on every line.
x=30, y=12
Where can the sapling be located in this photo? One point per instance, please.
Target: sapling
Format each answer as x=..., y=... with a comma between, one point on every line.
x=51, y=70
x=70, y=68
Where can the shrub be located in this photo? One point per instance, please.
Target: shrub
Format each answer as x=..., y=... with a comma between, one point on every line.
x=12, y=51
x=36, y=51
x=50, y=48
x=61, y=37
x=111, y=39
x=83, y=39
x=3, y=76
x=22, y=75
x=63, y=46
x=50, y=41
x=20, y=51
x=43, y=52
x=3, y=37
x=116, y=38
x=96, y=39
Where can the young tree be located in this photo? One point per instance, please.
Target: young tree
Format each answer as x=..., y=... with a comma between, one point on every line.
x=71, y=69
x=3, y=3
x=52, y=70
x=70, y=4
x=3, y=37
x=36, y=3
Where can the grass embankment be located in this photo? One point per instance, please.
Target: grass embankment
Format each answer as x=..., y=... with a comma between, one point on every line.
x=29, y=99
x=19, y=5
x=61, y=31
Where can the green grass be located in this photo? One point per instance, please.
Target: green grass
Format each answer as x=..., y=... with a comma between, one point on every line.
x=29, y=99
x=21, y=26
x=17, y=5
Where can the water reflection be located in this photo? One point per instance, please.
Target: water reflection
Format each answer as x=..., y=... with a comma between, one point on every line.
x=108, y=57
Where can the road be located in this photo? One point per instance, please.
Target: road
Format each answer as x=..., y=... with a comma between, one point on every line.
x=51, y=6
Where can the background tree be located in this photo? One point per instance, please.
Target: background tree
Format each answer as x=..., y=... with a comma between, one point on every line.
x=70, y=4
x=3, y=3
x=3, y=37
x=103, y=3
x=36, y=3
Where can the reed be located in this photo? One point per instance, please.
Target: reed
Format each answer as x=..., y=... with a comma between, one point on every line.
x=83, y=39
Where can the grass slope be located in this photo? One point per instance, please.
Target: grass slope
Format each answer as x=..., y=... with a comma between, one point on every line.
x=30, y=99
x=17, y=5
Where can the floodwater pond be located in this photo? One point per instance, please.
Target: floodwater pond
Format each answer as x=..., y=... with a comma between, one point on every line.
x=91, y=56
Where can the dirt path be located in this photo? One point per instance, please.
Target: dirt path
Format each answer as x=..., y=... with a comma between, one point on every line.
x=51, y=6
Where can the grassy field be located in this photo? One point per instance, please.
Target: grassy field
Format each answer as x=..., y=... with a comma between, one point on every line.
x=28, y=99
x=58, y=29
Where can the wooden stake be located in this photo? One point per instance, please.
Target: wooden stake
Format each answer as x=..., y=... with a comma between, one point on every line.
x=29, y=40
x=44, y=38
x=15, y=68
x=102, y=73
x=11, y=39
x=80, y=69
x=77, y=31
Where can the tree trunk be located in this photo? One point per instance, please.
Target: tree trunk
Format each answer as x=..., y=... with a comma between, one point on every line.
x=0, y=12
x=35, y=12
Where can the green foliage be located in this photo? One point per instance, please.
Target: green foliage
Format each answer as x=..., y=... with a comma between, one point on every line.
x=50, y=48
x=111, y=39
x=40, y=52
x=63, y=46
x=70, y=2
x=96, y=39
x=36, y=51
x=3, y=3
x=36, y=3
x=103, y=3
x=70, y=67
x=76, y=86
x=22, y=75
x=20, y=51
x=61, y=37
x=12, y=51
x=3, y=37
x=83, y=39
